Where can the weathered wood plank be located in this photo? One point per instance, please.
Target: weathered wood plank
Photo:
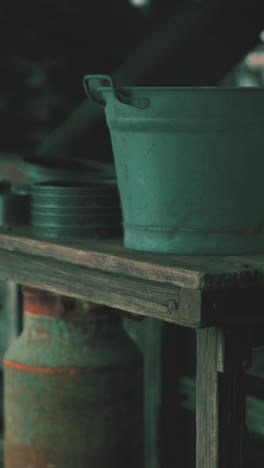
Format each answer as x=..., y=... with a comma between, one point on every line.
x=220, y=400
x=134, y=272
x=140, y=297
x=108, y=255
x=206, y=401
x=234, y=300
x=254, y=416
x=186, y=271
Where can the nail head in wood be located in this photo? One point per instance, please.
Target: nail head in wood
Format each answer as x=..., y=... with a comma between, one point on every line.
x=172, y=306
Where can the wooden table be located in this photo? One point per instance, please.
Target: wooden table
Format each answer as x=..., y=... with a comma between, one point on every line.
x=221, y=297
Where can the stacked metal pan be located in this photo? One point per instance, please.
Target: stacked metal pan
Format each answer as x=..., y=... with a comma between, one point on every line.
x=72, y=210
x=73, y=199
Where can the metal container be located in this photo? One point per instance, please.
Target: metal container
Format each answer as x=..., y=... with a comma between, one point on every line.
x=72, y=210
x=189, y=166
x=73, y=387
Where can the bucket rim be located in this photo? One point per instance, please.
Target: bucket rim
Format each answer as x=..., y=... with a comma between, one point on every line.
x=183, y=88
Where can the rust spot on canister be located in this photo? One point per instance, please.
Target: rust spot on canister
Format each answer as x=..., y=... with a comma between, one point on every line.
x=40, y=331
x=71, y=370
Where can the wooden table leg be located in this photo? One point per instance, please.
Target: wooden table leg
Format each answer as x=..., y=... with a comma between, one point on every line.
x=222, y=356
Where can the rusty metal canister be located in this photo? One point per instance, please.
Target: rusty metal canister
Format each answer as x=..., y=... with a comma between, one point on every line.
x=73, y=390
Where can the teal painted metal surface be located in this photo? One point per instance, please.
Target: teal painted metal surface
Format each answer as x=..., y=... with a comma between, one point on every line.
x=73, y=388
x=189, y=165
x=72, y=210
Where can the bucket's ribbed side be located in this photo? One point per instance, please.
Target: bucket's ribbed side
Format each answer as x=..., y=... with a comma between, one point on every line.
x=190, y=169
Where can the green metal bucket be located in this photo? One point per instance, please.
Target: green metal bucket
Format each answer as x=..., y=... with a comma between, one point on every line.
x=190, y=165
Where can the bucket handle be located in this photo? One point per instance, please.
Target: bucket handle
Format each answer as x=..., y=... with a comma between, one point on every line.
x=139, y=103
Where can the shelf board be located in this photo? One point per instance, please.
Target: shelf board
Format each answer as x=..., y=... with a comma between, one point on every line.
x=189, y=290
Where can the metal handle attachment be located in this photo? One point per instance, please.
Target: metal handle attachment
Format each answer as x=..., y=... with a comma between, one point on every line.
x=139, y=103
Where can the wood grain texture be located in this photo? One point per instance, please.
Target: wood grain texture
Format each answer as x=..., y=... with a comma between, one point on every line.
x=254, y=416
x=140, y=282
x=108, y=255
x=108, y=266
x=140, y=297
x=206, y=401
x=186, y=271
x=220, y=401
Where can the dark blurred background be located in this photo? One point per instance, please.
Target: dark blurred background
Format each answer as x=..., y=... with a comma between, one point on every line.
x=48, y=46
x=46, y=49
